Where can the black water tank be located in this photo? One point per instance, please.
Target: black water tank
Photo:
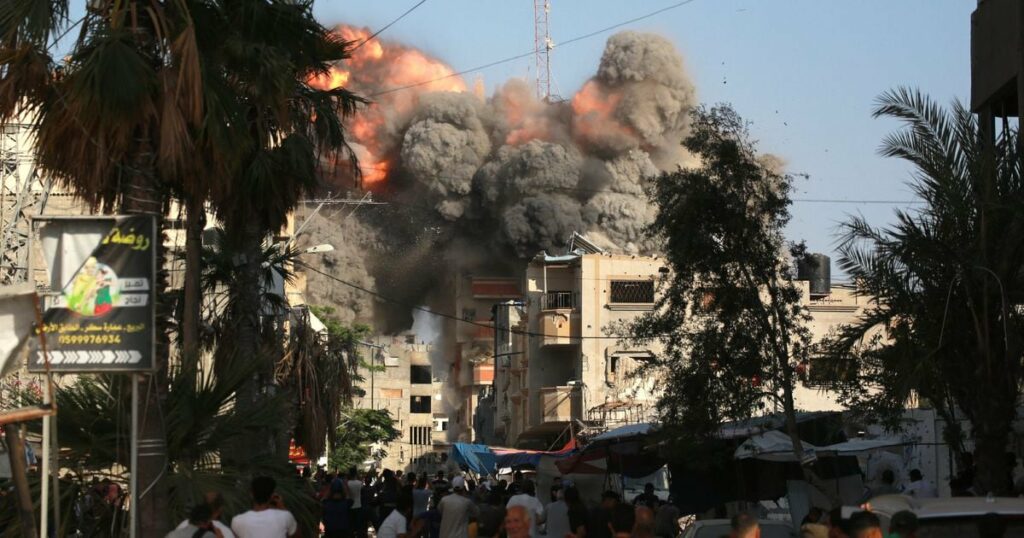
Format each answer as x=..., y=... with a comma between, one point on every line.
x=817, y=269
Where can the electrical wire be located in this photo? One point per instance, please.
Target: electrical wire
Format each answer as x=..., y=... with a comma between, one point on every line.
x=388, y=25
x=532, y=52
x=453, y=317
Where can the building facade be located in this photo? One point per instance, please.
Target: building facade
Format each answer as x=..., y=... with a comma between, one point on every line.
x=565, y=370
x=398, y=377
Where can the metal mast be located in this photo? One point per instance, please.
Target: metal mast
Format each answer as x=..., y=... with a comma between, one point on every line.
x=542, y=46
x=23, y=193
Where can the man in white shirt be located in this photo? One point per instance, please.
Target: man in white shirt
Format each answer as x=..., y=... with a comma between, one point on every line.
x=919, y=487
x=528, y=500
x=396, y=525
x=268, y=518
x=457, y=511
x=215, y=501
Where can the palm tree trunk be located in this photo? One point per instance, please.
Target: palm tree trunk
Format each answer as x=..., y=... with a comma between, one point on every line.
x=193, y=297
x=141, y=195
x=245, y=240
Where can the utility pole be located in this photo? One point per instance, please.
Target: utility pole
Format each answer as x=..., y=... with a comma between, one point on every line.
x=373, y=368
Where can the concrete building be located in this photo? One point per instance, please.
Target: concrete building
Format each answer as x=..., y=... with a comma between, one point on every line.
x=565, y=369
x=397, y=376
x=472, y=350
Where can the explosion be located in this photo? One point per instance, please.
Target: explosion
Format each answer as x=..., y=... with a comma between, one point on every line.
x=376, y=66
x=477, y=184
x=474, y=180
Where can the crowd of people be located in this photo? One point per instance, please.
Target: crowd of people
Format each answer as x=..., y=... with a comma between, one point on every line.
x=450, y=505
x=446, y=505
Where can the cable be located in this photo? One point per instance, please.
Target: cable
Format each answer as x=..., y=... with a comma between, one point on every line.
x=532, y=52
x=388, y=25
x=452, y=316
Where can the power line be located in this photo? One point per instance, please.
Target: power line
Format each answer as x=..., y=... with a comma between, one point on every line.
x=433, y=312
x=532, y=52
x=388, y=25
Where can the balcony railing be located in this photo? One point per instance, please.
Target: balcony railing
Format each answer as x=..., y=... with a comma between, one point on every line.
x=558, y=300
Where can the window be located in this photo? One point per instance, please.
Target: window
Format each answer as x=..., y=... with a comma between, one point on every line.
x=823, y=373
x=632, y=291
x=419, y=404
x=419, y=374
x=419, y=435
x=440, y=424
x=391, y=393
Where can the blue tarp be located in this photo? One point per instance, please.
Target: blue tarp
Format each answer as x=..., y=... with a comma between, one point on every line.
x=476, y=458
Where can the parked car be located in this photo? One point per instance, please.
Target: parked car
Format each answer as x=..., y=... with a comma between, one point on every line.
x=720, y=528
x=952, y=517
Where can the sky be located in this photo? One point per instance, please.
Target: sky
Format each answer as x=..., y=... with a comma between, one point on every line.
x=805, y=73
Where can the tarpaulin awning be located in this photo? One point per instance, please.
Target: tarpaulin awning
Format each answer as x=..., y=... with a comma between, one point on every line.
x=510, y=457
x=776, y=446
x=477, y=458
x=483, y=459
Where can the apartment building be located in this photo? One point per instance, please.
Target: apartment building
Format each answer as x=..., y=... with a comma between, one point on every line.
x=398, y=377
x=472, y=348
x=565, y=369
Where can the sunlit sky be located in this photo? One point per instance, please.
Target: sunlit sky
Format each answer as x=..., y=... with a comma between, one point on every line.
x=804, y=72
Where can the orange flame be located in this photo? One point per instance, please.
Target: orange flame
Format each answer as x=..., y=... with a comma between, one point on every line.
x=374, y=68
x=594, y=112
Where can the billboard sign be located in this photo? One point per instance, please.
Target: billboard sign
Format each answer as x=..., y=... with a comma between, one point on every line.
x=99, y=315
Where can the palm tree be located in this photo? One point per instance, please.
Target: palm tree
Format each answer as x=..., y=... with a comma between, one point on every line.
x=202, y=100
x=946, y=279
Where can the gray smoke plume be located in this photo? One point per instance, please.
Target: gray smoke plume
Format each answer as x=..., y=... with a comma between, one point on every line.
x=475, y=185
x=483, y=183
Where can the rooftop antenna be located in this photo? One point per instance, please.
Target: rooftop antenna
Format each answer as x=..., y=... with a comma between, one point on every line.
x=542, y=46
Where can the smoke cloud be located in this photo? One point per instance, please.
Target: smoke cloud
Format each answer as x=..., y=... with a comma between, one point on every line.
x=478, y=184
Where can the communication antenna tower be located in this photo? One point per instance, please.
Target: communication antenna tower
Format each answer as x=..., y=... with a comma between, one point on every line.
x=542, y=46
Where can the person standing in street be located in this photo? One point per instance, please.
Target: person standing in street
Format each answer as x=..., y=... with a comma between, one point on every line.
x=420, y=497
x=336, y=512
x=396, y=524
x=597, y=521
x=865, y=525
x=648, y=498
x=919, y=487
x=517, y=522
x=355, y=494
x=457, y=511
x=216, y=503
x=621, y=522
x=745, y=526
x=268, y=517
x=528, y=499
x=557, y=517
x=198, y=525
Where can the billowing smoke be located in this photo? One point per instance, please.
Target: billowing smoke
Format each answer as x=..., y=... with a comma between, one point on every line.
x=478, y=184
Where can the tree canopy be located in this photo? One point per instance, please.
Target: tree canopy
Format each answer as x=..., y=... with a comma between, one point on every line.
x=946, y=280
x=728, y=314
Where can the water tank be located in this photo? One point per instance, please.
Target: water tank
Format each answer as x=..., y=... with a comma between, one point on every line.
x=817, y=269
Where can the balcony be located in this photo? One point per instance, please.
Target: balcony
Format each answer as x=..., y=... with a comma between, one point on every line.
x=559, y=404
x=559, y=327
x=559, y=300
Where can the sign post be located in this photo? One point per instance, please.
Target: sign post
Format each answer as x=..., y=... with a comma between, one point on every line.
x=100, y=315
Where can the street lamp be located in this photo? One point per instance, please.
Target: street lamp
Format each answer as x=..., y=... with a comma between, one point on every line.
x=323, y=247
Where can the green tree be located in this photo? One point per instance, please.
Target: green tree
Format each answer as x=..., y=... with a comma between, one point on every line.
x=947, y=282
x=729, y=316
x=359, y=429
